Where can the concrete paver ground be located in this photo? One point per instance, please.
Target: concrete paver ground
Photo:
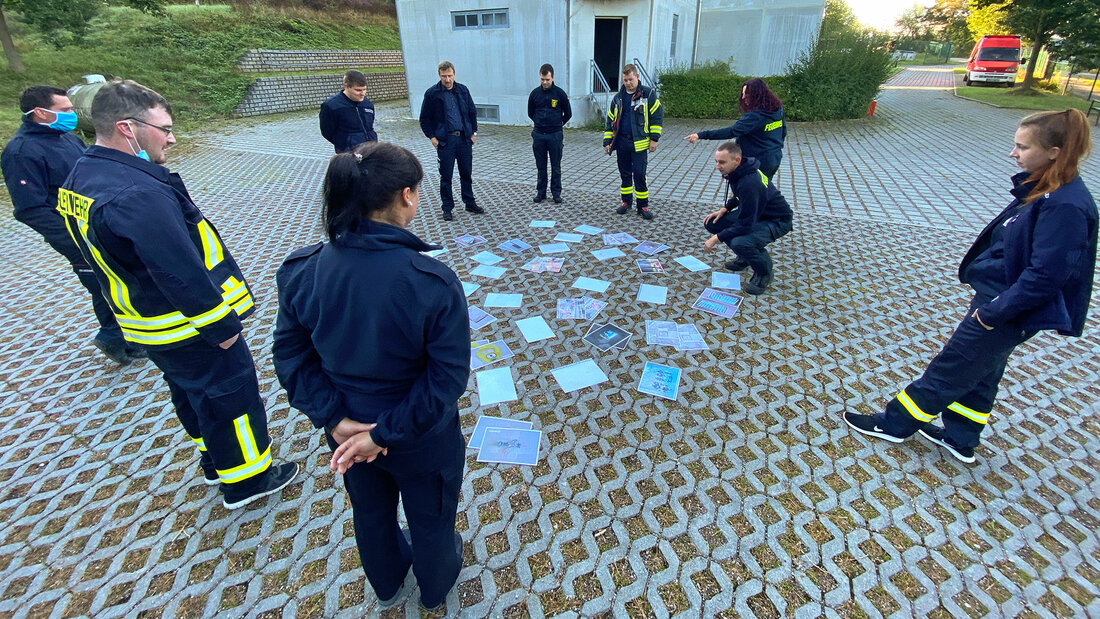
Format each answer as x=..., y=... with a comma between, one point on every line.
x=745, y=497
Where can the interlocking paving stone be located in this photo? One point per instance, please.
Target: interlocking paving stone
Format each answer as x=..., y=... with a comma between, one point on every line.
x=746, y=497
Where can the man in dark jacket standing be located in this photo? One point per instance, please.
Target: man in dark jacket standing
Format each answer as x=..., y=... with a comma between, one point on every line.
x=632, y=129
x=35, y=163
x=173, y=286
x=347, y=118
x=448, y=118
x=755, y=215
x=548, y=107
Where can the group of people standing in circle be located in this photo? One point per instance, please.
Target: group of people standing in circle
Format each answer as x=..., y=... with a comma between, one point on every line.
x=372, y=338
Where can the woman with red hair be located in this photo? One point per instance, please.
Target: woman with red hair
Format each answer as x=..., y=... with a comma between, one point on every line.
x=761, y=129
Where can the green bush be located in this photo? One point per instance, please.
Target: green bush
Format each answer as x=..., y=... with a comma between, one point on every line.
x=835, y=80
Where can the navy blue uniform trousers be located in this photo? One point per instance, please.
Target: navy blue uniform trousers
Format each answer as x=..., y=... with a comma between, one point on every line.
x=752, y=247
x=632, y=169
x=452, y=149
x=217, y=399
x=548, y=145
x=53, y=230
x=960, y=383
x=427, y=477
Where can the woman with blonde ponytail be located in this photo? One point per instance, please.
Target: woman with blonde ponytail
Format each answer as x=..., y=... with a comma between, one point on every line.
x=1031, y=270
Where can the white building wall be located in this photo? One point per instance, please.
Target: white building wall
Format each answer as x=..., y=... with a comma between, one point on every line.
x=757, y=37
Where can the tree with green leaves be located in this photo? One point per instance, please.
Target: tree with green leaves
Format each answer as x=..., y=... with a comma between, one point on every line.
x=15, y=62
x=947, y=21
x=1037, y=21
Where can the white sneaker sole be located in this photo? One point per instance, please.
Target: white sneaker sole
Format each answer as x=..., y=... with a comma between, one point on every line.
x=256, y=497
x=884, y=436
x=949, y=448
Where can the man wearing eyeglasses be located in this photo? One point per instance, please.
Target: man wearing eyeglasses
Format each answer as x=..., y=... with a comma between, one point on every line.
x=173, y=286
x=35, y=163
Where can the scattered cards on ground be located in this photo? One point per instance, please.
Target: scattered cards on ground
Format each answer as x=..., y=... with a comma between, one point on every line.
x=569, y=237
x=668, y=333
x=468, y=288
x=652, y=294
x=729, y=281
x=606, y=337
x=534, y=329
x=487, y=257
x=610, y=252
x=503, y=299
x=650, y=265
x=578, y=375
x=538, y=223
x=595, y=285
x=544, y=264
x=588, y=229
x=510, y=446
x=690, y=338
x=469, y=240
x=495, y=386
x=479, y=317
x=651, y=248
x=485, y=270
x=486, y=422
x=515, y=246
x=621, y=238
x=553, y=248
x=662, y=381
x=692, y=263
x=482, y=355
x=576, y=309
x=718, y=303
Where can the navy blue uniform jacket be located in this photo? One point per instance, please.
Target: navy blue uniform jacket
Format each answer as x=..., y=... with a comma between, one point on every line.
x=433, y=113
x=760, y=135
x=549, y=109
x=755, y=198
x=347, y=124
x=163, y=267
x=371, y=329
x=35, y=163
x=1049, y=259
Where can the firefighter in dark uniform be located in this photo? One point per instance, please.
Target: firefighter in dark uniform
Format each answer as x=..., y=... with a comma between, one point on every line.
x=548, y=107
x=632, y=129
x=755, y=214
x=448, y=117
x=372, y=343
x=1031, y=269
x=761, y=130
x=173, y=286
x=35, y=163
x=347, y=117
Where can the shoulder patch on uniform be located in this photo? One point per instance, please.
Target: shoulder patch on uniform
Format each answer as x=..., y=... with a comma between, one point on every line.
x=304, y=252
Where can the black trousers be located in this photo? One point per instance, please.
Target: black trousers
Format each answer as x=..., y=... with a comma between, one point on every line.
x=53, y=230
x=632, y=169
x=752, y=247
x=548, y=145
x=456, y=148
x=960, y=383
x=217, y=399
x=427, y=478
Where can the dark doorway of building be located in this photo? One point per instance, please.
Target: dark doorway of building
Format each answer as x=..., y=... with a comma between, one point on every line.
x=609, y=48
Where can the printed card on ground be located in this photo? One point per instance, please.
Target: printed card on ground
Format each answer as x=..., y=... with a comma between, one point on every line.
x=729, y=281
x=650, y=265
x=586, y=229
x=662, y=381
x=515, y=246
x=592, y=307
x=487, y=257
x=479, y=317
x=652, y=294
x=606, y=337
x=553, y=248
x=718, y=303
x=569, y=237
x=578, y=375
x=485, y=270
x=692, y=263
x=534, y=329
x=488, y=421
x=469, y=240
x=610, y=252
x=468, y=288
x=689, y=338
x=495, y=386
x=595, y=285
x=621, y=238
x=503, y=299
x=510, y=446
x=538, y=223
x=544, y=264
x=482, y=355
x=651, y=248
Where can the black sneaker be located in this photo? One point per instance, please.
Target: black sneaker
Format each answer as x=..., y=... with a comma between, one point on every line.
x=557, y=200
x=136, y=352
x=394, y=600
x=276, y=478
x=758, y=284
x=475, y=209
x=539, y=198
x=115, y=351
x=209, y=473
x=438, y=608
x=448, y=216
x=645, y=213
x=867, y=424
x=736, y=265
x=623, y=208
x=935, y=434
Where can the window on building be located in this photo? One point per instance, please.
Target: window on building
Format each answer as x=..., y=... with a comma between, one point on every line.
x=488, y=113
x=476, y=20
x=675, y=31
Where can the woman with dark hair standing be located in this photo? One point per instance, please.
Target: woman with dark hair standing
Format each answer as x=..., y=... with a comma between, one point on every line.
x=1031, y=270
x=372, y=343
x=761, y=129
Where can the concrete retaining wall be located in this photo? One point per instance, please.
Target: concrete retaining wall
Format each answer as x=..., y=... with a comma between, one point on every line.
x=270, y=95
x=275, y=60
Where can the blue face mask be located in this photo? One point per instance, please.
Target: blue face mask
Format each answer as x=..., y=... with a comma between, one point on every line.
x=140, y=154
x=63, y=121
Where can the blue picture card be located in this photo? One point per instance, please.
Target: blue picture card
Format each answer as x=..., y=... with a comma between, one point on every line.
x=553, y=248
x=538, y=223
x=468, y=288
x=514, y=246
x=510, y=446
x=728, y=281
x=487, y=257
x=488, y=421
x=662, y=381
